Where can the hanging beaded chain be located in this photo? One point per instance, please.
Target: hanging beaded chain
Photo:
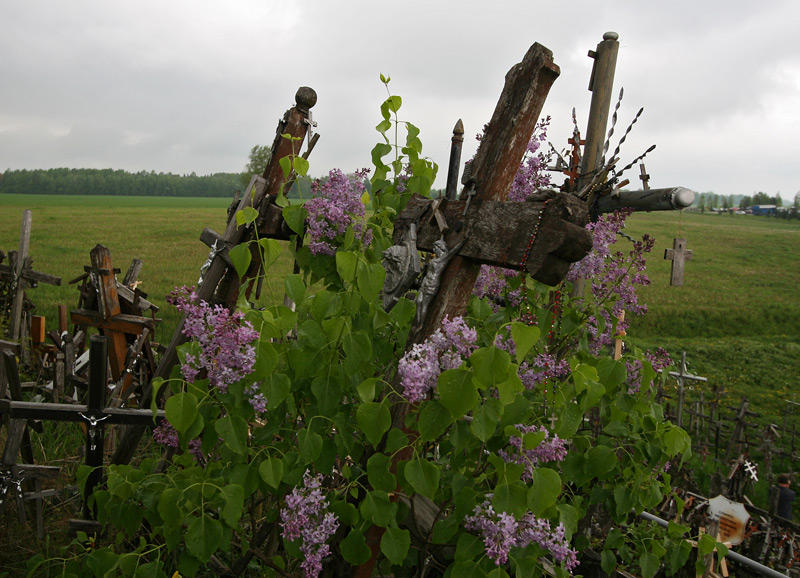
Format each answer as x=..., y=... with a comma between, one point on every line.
x=551, y=335
x=526, y=314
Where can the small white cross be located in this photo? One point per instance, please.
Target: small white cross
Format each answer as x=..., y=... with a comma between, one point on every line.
x=751, y=469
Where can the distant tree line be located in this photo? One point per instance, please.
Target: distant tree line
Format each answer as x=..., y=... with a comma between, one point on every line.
x=118, y=182
x=714, y=202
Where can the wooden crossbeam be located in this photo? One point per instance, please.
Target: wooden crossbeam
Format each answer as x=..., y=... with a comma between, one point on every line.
x=497, y=232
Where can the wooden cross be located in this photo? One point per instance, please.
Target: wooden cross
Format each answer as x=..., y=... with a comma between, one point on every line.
x=678, y=254
x=682, y=376
x=21, y=276
x=220, y=283
x=95, y=415
x=127, y=333
x=644, y=177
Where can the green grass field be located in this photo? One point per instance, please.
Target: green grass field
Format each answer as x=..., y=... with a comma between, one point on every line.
x=163, y=232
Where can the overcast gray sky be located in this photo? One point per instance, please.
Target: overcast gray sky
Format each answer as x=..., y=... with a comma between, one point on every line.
x=189, y=85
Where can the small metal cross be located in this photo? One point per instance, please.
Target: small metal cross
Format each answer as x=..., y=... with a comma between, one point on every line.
x=750, y=468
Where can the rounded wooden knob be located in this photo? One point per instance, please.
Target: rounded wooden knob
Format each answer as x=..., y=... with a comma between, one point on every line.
x=306, y=97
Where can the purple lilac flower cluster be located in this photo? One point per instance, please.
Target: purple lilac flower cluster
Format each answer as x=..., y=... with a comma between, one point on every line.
x=659, y=359
x=335, y=206
x=550, y=449
x=446, y=349
x=165, y=434
x=614, y=277
x=257, y=400
x=501, y=532
x=305, y=516
x=531, y=174
x=492, y=283
x=543, y=367
x=225, y=339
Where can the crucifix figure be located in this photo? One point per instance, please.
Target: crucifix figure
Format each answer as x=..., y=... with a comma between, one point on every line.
x=433, y=277
x=678, y=255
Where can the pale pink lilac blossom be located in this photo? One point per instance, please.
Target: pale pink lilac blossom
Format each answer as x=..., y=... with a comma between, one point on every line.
x=225, y=339
x=501, y=532
x=447, y=348
x=550, y=449
x=335, y=206
x=614, y=277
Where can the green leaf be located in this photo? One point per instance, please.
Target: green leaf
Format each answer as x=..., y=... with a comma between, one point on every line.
x=233, y=494
x=466, y=569
x=295, y=217
x=346, y=262
x=676, y=441
x=511, y=498
x=525, y=337
x=423, y=477
x=395, y=543
x=366, y=389
x=649, y=565
x=600, y=460
x=706, y=544
x=608, y=562
x=370, y=280
x=300, y=165
x=509, y=388
x=246, y=216
x=279, y=388
x=531, y=440
x=286, y=165
x=544, y=491
x=233, y=431
x=457, y=391
x=377, y=508
x=485, y=420
x=240, y=257
x=272, y=249
x=434, y=419
x=203, y=537
x=678, y=555
x=374, y=420
x=569, y=421
x=168, y=506
x=271, y=471
x=354, y=548
x=310, y=445
x=491, y=366
x=181, y=410
x=380, y=478
x=568, y=515
x=295, y=287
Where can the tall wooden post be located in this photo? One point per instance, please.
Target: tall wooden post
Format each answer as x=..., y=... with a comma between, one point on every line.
x=455, y=160
x=15, y=328
x=601, y=84
x=98, y=365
